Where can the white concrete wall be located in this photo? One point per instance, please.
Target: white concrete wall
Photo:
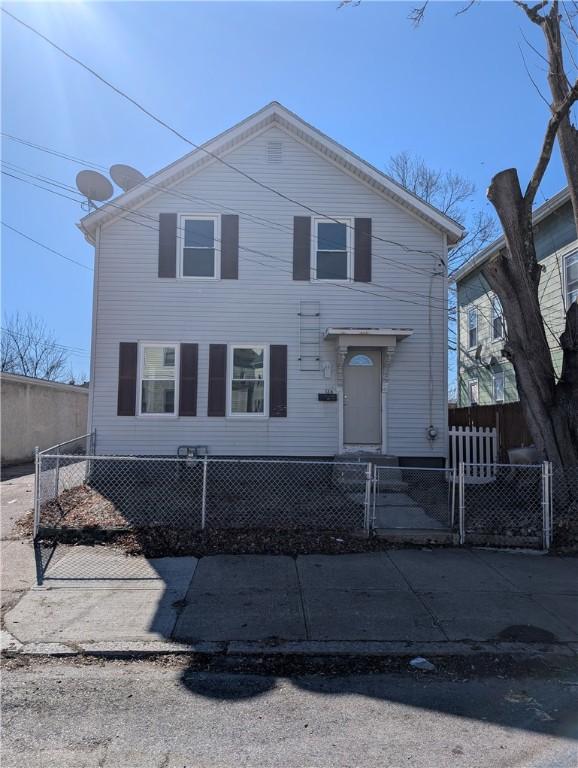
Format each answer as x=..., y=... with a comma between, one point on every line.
x=262, y=306
x=38, y=413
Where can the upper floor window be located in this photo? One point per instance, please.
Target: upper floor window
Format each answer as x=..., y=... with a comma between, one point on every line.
x=472, y=328
x=473, y=391
x=332, y=249
x=498, y=387
x=571, y=268
x=497, y=319
x=248, y=382
x=199, y=246
x=158, y=378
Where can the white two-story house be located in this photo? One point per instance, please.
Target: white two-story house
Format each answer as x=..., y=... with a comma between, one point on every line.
x=270, y=294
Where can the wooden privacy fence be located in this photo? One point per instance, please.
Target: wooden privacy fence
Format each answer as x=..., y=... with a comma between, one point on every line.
x=507, y=419
x=477, y=450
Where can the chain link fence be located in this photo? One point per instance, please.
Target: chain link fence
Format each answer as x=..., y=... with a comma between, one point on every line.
x=506, y=505
x=486, y=505
x=564, y=492
x=121, y=492
x=414, y=499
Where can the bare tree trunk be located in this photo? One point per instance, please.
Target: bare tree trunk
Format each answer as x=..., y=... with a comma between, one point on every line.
x=515, y=275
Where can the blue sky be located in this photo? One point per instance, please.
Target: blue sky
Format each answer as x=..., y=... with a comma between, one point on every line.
x=454, y=91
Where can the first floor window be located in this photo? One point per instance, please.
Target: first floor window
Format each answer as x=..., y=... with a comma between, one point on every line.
x=247, y=383
x=332, y=250
x=158, y=378
x=473, y=392
x=497, y=319
x=198, y=238
x=472, y=328
x=571, y=279
x=498, y=382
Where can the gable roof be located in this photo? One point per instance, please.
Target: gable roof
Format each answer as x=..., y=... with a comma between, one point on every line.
x=539, y=214
x=274, y=114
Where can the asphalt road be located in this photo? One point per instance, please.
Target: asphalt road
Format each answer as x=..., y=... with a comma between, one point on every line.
x=66, y=714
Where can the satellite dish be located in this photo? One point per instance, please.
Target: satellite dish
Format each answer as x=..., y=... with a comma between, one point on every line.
x=94, y=186
x=125, y=176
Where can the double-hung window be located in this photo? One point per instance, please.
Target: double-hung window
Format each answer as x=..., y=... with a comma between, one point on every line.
x=571, y=271
x=199, y=252
x=158, y=378
x=497, y=319
x=473, y=391
x=248, y=381
x=332, y=249
x=498, y=386
x=472, y=328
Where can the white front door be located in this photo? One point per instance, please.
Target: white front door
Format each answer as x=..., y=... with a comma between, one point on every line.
x=362, y=397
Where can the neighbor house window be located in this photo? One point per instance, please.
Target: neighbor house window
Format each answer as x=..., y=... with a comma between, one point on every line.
x=158, y=375
x=473, y=395
x=472, y=328
x=248, y=383
x=498, y=386
x=332, y=250
x=571, y=266
x=497, y=319
x=199, y=251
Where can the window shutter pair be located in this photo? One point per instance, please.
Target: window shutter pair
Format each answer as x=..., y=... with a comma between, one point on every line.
x=188, y=377
x=302, y=249
x=168, y=238
x=217, y=404
x=127, y=379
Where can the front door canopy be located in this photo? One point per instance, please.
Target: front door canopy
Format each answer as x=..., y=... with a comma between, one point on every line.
x=367, y=337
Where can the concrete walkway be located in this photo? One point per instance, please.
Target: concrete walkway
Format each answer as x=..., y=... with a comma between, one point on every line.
x=96, y=595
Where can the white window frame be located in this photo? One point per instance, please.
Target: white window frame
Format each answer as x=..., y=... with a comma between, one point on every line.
x=142, y=345
x=565, y=259
x=473, y=309
x=230, y=351
x=349, y=225
x=183, y=217
x=498, y=375
x=477, y=383
x=494, y=317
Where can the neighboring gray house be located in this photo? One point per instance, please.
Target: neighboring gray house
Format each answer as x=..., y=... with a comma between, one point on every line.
x=269, y=294
x=484, y=376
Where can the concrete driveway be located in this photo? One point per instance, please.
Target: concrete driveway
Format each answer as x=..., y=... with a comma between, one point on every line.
x=411, y=595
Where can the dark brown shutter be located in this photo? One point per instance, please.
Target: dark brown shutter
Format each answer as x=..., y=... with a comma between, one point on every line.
x=167, y=245
x=278, y=380
x=127, y=362
x=301, y=248
x=362, y=270
x=229, y=247
x=188, y=379
x=217, y=399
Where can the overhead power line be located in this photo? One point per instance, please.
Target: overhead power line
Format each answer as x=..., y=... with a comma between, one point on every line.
x=200, y=147
x=46, y=247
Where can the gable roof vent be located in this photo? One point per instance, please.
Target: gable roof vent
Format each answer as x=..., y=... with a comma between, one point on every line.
x=274, y=152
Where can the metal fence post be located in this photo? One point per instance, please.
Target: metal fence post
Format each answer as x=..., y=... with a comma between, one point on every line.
x=546, y=505
x=36, y=492
x=461, y=502
x=57, y=473
x=368, y=482
x=204, y=500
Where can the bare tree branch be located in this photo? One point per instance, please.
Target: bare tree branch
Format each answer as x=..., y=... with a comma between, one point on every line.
x=548, y=143
x=416, y=14
x=466, y=7
x=29, y=349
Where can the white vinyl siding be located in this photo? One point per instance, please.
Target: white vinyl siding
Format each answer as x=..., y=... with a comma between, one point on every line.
x=263, y=305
